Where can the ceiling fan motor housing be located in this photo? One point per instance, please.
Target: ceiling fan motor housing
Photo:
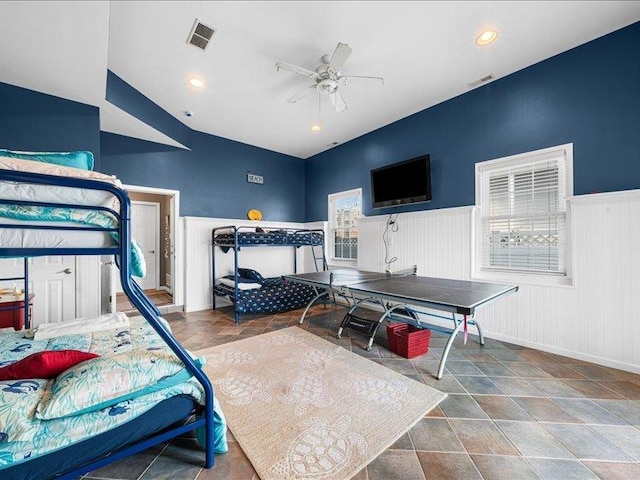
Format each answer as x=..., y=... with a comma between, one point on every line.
x=327, y=86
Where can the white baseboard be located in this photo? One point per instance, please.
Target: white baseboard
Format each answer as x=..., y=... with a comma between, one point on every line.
x=220, y=302
x=628, y=367
x=171, y=308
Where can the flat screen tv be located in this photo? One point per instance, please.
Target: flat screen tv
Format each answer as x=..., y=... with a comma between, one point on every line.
x=402, y=183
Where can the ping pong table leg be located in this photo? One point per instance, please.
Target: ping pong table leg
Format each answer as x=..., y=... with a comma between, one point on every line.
x=386, y=313
x=480, y=335
x=313, y=300
x=443, y=360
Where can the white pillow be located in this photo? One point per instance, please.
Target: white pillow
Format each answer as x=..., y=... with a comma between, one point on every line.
x=241, y=286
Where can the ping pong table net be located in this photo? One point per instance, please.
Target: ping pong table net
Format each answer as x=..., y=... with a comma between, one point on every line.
x=360, y=276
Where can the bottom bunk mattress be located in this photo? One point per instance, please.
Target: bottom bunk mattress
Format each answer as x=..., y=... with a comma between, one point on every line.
x=162, y=416
x=275, y=295
x=132, y=372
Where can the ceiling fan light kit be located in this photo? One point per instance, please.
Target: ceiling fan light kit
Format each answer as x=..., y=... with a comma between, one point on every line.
x=327, y=77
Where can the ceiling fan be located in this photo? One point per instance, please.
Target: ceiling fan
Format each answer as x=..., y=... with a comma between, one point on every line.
x=327, y=77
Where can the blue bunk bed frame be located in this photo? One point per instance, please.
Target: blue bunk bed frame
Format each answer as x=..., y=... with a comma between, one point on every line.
x=236, y=245
x=149, y=311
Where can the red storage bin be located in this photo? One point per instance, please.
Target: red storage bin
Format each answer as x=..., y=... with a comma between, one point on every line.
x=12, y=313
x=407, y=340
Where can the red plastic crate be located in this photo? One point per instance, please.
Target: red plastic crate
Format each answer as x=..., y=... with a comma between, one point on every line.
x=407, y=340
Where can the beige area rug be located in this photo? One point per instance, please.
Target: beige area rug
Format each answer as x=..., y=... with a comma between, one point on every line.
x=304, y=408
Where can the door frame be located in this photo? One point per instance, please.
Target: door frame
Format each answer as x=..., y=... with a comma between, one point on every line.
x=156, y=238
x=177, y=257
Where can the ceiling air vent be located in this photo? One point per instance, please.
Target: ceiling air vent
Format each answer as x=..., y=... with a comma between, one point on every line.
x=200, y=35
x=483, y=80
x=333, y=144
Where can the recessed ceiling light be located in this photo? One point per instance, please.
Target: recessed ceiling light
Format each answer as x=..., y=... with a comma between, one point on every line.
x=196, y=82
x=485, y=38
x=315, y=128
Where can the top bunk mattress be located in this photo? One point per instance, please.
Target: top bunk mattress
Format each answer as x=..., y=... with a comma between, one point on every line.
x=59, y=206
x=33, y=238
x=282, y=237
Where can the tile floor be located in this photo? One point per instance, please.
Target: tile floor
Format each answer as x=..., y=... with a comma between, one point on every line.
x=512, y=412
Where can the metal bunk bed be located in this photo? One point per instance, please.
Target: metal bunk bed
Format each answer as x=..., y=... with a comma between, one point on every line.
x=235, y=238
x=122, y=254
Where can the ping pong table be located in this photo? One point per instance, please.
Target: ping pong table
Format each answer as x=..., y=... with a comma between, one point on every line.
x=398, y=294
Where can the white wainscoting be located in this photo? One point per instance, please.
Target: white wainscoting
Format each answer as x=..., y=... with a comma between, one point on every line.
x=597, y=319
x=269, y=261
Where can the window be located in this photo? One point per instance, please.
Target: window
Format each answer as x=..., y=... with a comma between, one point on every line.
x=523, y=212
x=344, y=210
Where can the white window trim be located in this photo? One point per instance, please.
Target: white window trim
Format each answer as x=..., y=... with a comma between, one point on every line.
x=476, y=218
x=330, y=199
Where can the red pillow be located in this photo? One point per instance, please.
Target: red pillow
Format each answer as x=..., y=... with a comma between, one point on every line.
x=48, y=364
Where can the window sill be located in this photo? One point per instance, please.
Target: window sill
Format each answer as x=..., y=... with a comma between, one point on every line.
x=339, y=262
x=524, y=279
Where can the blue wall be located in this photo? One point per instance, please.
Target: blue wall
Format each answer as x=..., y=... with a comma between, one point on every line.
x=212, y=177
x=34, y=121
x=588, y=96
x=127, y=98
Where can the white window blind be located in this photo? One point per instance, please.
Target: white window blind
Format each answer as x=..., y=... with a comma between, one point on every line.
x=345, y=208
x=524, y=218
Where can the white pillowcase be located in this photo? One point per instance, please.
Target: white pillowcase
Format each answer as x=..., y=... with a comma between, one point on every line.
x=241, y=286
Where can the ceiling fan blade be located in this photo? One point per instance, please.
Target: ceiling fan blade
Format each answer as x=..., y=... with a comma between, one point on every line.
x=301, y=94
x=340, y=56
x=296, y=69
x=380, y=79
x=338, y=101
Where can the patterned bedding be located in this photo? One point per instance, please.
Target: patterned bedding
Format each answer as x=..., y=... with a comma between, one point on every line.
x=274, y=237
x=23, y=435
x=276, y=295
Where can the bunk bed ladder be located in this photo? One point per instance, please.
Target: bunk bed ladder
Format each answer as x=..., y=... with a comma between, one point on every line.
x=321, y=257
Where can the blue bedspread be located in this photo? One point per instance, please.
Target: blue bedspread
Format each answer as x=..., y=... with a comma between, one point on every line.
x=295, y=238
x=275, y=296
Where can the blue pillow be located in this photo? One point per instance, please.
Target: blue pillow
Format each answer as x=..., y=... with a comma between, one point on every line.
x=81, y=159
x=251, y=275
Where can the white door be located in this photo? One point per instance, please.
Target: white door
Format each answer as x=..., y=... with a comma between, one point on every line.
x=145, y=230
x=109, y=276
x=53, y=282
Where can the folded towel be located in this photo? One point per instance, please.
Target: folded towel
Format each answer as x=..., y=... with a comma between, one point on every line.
x=109, y=321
